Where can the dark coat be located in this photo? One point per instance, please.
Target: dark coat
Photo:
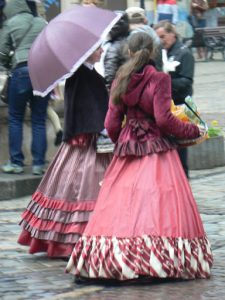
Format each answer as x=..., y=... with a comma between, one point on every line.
x=182, y=78
x=115, y=54
x=86, y=103
x=114, y=58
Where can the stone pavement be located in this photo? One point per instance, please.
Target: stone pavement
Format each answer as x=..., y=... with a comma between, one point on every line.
x=29, y=277
x=209, y=90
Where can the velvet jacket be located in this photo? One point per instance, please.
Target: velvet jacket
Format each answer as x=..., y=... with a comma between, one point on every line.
x=150, y=126
x=86, y=103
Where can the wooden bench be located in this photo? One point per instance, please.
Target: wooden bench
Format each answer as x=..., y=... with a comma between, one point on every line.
x=213, y=39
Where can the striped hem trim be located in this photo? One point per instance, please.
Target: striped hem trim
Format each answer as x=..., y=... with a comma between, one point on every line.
x=129, y=258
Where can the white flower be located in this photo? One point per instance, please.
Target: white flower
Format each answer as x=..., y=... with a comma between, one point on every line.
x=168, y=66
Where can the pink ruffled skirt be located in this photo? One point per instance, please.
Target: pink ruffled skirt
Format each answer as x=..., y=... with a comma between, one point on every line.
x=60, y=208
x=145, y=223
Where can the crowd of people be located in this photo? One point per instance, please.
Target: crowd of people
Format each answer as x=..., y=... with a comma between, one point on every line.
x=115, y=215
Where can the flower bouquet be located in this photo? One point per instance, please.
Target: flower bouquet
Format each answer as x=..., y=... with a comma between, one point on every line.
x=188, y=112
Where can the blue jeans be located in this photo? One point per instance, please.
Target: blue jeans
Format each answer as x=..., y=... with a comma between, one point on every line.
x=20, y=94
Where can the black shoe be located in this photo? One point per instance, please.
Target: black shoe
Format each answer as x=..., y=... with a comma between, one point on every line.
x=58, y=138
x=85, y=281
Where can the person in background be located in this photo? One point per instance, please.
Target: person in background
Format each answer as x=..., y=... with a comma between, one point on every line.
x=138, y=22
x=60, y=207
x=20, y=28
x=198, y=19
x=53, y=117
x=146, y=222
x=167, y=10
x=115, y=46
x=212, y=14
x=182, y=76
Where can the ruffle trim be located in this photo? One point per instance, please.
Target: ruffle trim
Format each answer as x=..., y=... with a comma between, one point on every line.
x=147, y=147
x=51, y=230
x=48, y=214
x=56, y=220
x=62, y=204
x=129, y=258
x=53, y=249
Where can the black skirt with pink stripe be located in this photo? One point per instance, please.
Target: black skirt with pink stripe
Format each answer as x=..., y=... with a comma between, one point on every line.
x=61, y=206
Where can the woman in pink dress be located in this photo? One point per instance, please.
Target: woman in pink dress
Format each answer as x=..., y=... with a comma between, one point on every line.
x=60, y=207
x=146, y=221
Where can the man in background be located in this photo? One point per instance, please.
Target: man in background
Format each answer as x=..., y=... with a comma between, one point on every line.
x=182, y=76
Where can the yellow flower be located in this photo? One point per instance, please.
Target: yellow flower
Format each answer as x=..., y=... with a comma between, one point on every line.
x=215, y=129
x=214, y=123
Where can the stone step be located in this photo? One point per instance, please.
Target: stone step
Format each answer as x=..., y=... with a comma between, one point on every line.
x=18, y=185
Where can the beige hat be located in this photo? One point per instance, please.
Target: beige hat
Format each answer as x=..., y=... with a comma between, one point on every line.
x=136, y=14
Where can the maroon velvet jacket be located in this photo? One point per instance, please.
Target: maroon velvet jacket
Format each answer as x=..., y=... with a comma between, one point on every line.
x=150, y=126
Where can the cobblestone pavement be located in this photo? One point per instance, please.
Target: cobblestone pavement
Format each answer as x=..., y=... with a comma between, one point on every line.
x=25, y=276
x=29, y=277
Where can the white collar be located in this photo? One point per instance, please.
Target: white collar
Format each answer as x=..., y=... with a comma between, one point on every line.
x=89, y=65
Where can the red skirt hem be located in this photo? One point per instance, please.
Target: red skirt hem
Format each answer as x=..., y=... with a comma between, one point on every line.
x=52, y=248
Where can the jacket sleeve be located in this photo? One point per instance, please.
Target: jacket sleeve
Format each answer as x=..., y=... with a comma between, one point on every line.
x=185, y=73
x=164, y=118
x=114, y=119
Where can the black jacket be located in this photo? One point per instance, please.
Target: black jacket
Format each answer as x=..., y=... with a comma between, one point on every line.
x=114, y=58
x=115, y=54
x=182, y=78
x=86, y=103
